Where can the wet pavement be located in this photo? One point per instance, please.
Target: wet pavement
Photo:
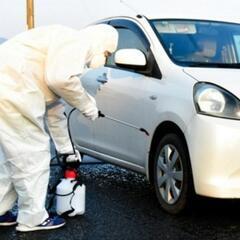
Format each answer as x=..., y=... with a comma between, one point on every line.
x=121, y=204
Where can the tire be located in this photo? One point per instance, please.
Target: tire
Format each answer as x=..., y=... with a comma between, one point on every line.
x=172, y=174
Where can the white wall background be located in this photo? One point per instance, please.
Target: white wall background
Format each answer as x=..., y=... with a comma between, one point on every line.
x=78, y=13
x=12, y=17
x=74, y=13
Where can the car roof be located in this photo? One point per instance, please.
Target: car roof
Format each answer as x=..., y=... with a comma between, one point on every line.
x=216, y=10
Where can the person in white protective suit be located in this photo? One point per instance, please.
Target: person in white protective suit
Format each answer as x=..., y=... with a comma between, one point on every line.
x=37, y=68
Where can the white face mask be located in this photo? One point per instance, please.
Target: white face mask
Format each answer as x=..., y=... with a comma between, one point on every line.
x=97, y=61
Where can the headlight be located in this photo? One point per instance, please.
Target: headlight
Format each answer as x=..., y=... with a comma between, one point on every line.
x=212, y=100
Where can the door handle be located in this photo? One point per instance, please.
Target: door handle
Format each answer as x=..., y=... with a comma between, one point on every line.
x=153, y=97
x=103, y=81
x=103, y=78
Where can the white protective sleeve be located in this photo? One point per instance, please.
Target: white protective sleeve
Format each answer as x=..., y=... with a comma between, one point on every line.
x=57, y=125
x=66, y=85
x=74, y=94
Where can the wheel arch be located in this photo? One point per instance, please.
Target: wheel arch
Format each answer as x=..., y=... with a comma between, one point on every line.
x=163, y=129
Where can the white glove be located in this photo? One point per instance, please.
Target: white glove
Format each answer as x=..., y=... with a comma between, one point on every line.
x=72, y=160
x=74, y=157
x=92, y=112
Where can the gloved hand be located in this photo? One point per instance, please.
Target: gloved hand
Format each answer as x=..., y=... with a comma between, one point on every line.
x=72, y=160
x=92, y=112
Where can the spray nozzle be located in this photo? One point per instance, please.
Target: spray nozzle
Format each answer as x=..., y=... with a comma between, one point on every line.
x=100, y=114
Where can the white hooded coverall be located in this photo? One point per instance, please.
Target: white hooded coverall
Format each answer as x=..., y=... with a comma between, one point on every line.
x=37, y=68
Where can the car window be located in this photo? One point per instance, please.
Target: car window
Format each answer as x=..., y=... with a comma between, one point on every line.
x=195, y=42
x=127, y=39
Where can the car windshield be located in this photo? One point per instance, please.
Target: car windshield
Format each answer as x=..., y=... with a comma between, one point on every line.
x=200, y=43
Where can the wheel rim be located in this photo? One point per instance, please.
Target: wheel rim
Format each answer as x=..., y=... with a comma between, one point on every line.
x=169, y=174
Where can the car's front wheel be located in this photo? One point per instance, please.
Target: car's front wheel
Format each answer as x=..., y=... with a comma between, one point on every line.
x=172, y=174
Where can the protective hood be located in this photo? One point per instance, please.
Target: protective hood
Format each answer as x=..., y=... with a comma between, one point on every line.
x=70, y=51
x=105, y=42
x=102, y=38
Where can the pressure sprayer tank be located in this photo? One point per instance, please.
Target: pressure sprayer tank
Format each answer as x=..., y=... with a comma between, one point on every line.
x=70, y=195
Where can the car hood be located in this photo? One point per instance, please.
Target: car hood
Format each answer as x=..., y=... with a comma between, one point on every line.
x=225, y=78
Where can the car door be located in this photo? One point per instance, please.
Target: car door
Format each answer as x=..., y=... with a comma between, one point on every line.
x=81, y=128
x=122, y=95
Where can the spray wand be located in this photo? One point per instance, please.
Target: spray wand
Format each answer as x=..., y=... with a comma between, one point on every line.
x=100, y=114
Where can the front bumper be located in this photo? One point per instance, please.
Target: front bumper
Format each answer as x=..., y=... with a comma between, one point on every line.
x=214, y=148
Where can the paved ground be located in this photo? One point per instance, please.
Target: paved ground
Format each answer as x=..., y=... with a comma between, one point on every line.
x=122, y=205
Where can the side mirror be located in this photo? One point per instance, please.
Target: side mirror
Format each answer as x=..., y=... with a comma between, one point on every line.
x=130, y=58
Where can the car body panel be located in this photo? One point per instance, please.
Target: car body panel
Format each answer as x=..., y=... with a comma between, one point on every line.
x=214, y=151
